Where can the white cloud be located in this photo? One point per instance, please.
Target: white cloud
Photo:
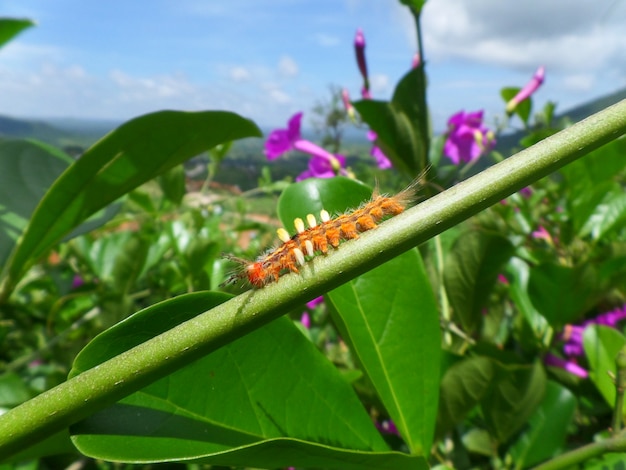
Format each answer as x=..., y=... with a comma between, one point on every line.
x=379, y=84
x=579, y=82
x=563, y=34
x=147, y=88
x=275, y=93
x=287, y=67
x=280, y=97
x=239, y=74
x=326, y=40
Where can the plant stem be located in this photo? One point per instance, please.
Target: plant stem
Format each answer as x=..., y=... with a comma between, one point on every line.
x=620, y=386
x=570, y=459
x=421, y=99
x=92, y=390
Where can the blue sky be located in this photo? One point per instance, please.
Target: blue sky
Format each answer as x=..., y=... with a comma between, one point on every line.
x=268, y=59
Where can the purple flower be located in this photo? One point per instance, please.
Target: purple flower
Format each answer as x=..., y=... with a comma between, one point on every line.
x=572, y=337
x=528, y=90
x=526, y=192
x=611, y=318
x=542, y=234
x=323, y=164
x=381, y=159
x=320, y=167
x=315, y=302
x=359, y=49
x=569, y=365
x=417, y=60
x=387, y=427
x=77, y=281
x=468, y=138
x=305, y=319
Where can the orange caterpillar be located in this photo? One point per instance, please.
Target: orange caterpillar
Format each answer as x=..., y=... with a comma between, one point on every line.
x=318, y=237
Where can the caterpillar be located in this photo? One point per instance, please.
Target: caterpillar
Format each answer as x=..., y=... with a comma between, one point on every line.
x=318, y=237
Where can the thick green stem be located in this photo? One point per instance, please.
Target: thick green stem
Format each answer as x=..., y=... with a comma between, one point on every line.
x=96, y=388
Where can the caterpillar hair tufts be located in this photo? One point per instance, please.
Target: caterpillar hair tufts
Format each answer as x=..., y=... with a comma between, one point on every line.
x=319, y=236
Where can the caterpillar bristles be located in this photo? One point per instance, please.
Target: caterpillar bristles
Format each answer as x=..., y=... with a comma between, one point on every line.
x=307, y=242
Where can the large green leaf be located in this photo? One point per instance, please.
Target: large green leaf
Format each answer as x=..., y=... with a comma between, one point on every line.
x=601, y=345
x=134, y=153
x=562, y=293
x=608, y=215
x=11, y=27
x=402, y=124
x=470, y=272
x=463, y=386
x=588, y=183
x=506, y=393
x=548, y=427
x=393, y=328
x=269, y=399
x=514, y=397
x=27, y=170
x=312, y=195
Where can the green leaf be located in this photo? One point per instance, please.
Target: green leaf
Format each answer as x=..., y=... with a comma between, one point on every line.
x=21, y=187
x=519, y=272
x=388, y=333
x=310, y=196
x=478, y=441
x=415, y=5
x=514, y=397
x=562, y=293
x=172, y=184
x=609, y=215
x=584, y=173
x=249, y=395
x=471, y=271
x=462, y=388
x=548, y=427
x=13, y=390
x=401, y=125
x=128, y=265
x=523, y=109
x=588, y=183
x=134, y=153
x=601, y=345
x=59, y=443
x=393, y=328
x=11, y=27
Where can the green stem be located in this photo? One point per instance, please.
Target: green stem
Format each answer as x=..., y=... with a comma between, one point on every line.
x=443, y=296
x=571, y=459
x=620, y=386
x=421, y=98
x=81, y=396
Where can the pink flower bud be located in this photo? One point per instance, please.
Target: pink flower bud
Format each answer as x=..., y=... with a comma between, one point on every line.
x=528, y=90
x=359, y=49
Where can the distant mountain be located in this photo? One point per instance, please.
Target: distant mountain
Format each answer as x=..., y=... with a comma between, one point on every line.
x=71, y=135
x=97, y=127
x=74, y=135
x=508, y=142
x=585, y=110
x=25, y=129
